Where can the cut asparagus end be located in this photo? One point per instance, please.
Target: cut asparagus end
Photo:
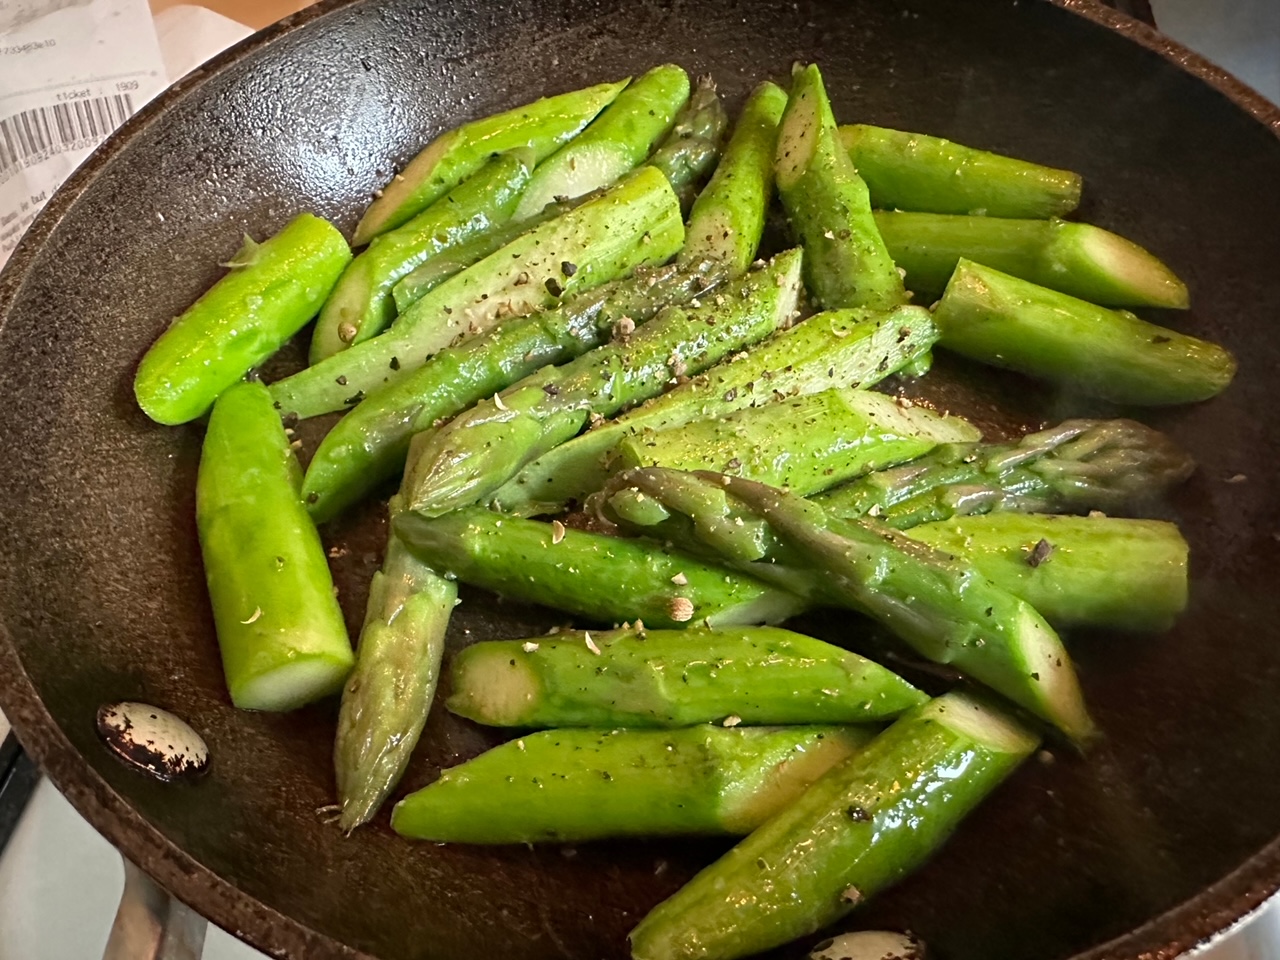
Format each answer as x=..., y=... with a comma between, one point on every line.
x=1054, y=689
x=1127, y=266
x=982, y=723
x=571, y=173
x=911, y=421
x=772, y=606
x=292, y=685
x=491, y=687
x=750, y=803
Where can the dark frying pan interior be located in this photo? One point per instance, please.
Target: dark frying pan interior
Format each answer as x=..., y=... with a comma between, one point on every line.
x=100, y=580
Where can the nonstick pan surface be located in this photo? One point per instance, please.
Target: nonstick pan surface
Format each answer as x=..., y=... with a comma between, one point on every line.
x=1162, y=836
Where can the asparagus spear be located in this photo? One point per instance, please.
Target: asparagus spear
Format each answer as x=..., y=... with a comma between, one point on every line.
x=475, y=454
x=422, y=280
x=672, y=678
x=618, y=140
x=274, y=287
x=846, y=263
x=1076, y=258
x=635, y=223
x=912, y=171
x=864, y=825
x=805, y=444
x=688, y=152
x=571, y=785
x=605, y=579
x=542, y=126
x=369, y=444
x=387, y=697
x=1078, y=465
x=1076, y=571
x=839, y=347
x=279, y=626
x=998, y=319
x=360, y=306
x=727, y=219
x=942, y=607
x=693, y=145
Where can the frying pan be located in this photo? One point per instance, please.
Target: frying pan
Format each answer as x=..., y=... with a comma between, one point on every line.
x=1164, y=835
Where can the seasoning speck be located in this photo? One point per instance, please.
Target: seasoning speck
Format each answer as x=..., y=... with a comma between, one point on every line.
x=680, y=609
x=591, y=644
x=551, y=390
x=680, y=580
x=568, y=269
x=256, y=614
x=732, y=720
x=497, y=401
x=557, y=531
x=553, y=287
x=529, y=646
x=1237, y=478
x=1039, y=553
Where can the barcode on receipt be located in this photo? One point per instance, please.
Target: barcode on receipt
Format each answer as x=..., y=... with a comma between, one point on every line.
x=30, y=136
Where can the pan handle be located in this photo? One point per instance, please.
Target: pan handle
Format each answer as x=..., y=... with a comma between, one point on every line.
x=151, y=925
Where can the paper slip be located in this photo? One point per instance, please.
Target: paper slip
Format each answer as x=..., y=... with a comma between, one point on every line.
x=71, y=71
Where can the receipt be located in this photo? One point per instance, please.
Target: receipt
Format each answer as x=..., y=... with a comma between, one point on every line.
x=71, y=71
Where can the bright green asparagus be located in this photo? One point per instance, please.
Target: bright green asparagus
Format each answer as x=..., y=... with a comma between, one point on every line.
x=672, y=678
x=604, y=579
x=864, y=825
x=273, y=289
x=634, y=224
x=617, y=141
x=422, y=280
x=542, y=126
x=573, y=785
x=692, y=147
x=1079, y=465
x=838, y=348
x=805, y=444
x=1076, y=258
x=386, y=700
x=912, y=171
x=941, y=606
x=846, y=263
x=368, y=445
x=1076, y=571
x=360, y=306
x=283, y=640
x=990, y=316
x=466, y=461
x=727, y=219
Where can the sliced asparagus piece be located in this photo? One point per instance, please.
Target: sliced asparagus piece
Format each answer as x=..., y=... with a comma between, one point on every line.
x=728, y=217
x=369, y=444
x=912, y=171
x=422, y=280
x=605, y=579
x=1076, y=571
x=841, y=347
x=1075, y=258
x=692, y=147
x=542, y=126
x=672, y=678
x=273, y=289
x=1108, y=465
x=805, y=444
x=861, y=827
x=360, y=306
x=1001, y=320
x=846, y=263
x=572, y=785
x=941, y=606
x=283, y=640
x=617, y=141
x=388, y=696
x=634, y=224
x=466, y=461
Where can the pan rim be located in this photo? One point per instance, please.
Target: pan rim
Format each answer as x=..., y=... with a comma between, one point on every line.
x=1208, y=915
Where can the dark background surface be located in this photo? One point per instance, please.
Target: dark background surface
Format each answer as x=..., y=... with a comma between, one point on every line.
x=100, y=580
